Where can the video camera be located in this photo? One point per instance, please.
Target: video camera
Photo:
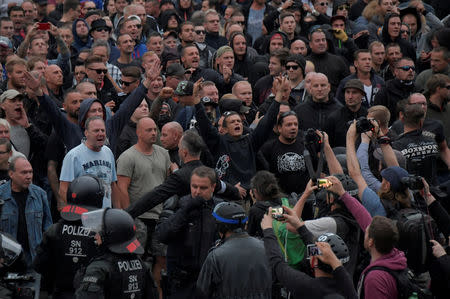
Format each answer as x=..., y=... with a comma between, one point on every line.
x=414, y=182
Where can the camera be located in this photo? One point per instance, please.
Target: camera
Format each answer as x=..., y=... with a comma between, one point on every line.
x=414, y=182
x=311, y=138
x=277, y=213
x=363, y=125
x=312, y=250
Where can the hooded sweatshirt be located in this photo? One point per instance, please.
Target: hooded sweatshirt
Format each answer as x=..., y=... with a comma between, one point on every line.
x=77, y=42
x=406, y=47
x=72, y=134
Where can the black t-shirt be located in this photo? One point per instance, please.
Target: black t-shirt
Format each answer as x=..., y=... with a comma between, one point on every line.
x=22, y=232
x=55, y=150
x=3, y=176
x=431, y=128
x=286, y=161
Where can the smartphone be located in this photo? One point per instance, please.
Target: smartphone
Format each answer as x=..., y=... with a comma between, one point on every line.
x=43, y=26
x=277, y=213
x=324, y=183
x=312, y=250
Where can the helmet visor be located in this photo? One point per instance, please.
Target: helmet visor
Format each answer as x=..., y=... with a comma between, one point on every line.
x=10, y=250
x=93, y=220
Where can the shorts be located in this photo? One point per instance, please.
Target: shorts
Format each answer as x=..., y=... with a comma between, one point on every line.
x=153, y=247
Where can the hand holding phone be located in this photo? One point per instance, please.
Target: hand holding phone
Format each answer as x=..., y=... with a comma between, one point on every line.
x=312, y=250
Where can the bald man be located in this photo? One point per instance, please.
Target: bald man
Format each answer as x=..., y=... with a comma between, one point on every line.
x=170, y=137
x=141, y=168
x=54, y=79
x=314, y=113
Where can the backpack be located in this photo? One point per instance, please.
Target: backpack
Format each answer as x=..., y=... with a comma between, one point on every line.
x=414, y=227
x=404, y=280
x=291, y=244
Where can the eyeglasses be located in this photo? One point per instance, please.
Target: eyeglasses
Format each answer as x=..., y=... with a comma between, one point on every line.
x=343, y=7
x=323, y=3
x=407, y=68
x=200, y=32
x=294, y=67
x=126, y=83
x=102, y=29
x=99, y=71
x=90, y=8
x=1, y=153
x=404, y=31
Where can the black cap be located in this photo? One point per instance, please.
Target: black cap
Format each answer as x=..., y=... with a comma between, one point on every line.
x=233, y=105
x=99, y=24
x=298, y=59
x=175, y=69
x=185, y=88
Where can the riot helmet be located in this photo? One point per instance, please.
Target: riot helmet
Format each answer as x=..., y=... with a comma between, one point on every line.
x=339, y=248
x=85, y=193
x=117, y=229
x=230, y=217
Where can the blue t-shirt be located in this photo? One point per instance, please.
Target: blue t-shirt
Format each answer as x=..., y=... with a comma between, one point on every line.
x=81, y=160
x=255, y=22
x=371, y=201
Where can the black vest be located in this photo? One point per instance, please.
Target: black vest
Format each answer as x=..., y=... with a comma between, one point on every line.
x=74, y=249
x=127, y=278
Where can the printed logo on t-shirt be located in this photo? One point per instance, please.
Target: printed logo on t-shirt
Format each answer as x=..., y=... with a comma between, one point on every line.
x=421, y=150
x=223, y=163
x=290, y=161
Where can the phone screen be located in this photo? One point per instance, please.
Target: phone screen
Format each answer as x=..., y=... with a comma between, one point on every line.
x=312, y=250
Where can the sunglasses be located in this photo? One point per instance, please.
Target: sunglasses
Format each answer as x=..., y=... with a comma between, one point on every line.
x=323, y=3
x=294, y=67
x=404, y=31
x=102, y=29
x=99, y=71
x=125, y=83
x=200, y=32
x=407, y=68
x=90, y=8
x=343, y=7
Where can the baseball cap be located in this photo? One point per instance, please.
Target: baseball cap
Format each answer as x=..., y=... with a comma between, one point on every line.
x=208, y=101
x=9, y=94
x=5, y=42
x=233, y=105
x=394, y=175
x=175, y=69
x=185, y=88
x=355, y=83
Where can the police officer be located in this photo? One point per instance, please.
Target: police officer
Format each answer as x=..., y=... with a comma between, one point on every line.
x=237, y=268
x=119, y=272
x=67, y=245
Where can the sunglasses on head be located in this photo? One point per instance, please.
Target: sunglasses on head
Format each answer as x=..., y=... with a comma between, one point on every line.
x=125, y=83
x=200, y=32
x=294, y=67
x=407, y=68
x=99, y=71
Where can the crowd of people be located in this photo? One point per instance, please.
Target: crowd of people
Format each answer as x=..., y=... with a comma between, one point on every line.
x=226, y=148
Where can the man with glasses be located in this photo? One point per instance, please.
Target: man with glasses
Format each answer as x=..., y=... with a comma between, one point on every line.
x=205, y=51
x=295, y=68
x=399, y=88
x=102, y=49
x=212, y=26
x=96, y=72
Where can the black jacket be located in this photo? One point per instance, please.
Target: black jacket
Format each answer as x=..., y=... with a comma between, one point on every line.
x=189, y=234
x=238, y=268
x=215, y=41
x=299, y=283
x=314, y=115
x=236, y=158
x=178, y=183
x=391, y=94
x=333, y=66
x=337, y=124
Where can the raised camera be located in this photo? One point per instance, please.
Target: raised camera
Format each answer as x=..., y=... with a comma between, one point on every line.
x=414, y=182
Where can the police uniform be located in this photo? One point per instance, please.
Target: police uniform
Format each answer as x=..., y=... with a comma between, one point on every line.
x=121, y=276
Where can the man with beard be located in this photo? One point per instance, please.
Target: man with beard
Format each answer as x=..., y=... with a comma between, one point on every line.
x=337, y=124
x=399, y=88
x=56, y=150
x=372, y=83
x=439, y=89
x=393, y=55
x=15, y=70
x=285, y=155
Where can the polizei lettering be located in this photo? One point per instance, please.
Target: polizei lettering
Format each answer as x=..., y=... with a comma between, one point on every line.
x=129, y=265
x=75, y=230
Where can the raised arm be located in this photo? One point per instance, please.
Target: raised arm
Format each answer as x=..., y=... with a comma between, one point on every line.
x=333, y=164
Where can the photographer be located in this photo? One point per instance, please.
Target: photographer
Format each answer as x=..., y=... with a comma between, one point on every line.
x=330, y=275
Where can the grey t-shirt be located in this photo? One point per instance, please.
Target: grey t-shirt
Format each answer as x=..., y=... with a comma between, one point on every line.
x=146, y=172
x=20, y=139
